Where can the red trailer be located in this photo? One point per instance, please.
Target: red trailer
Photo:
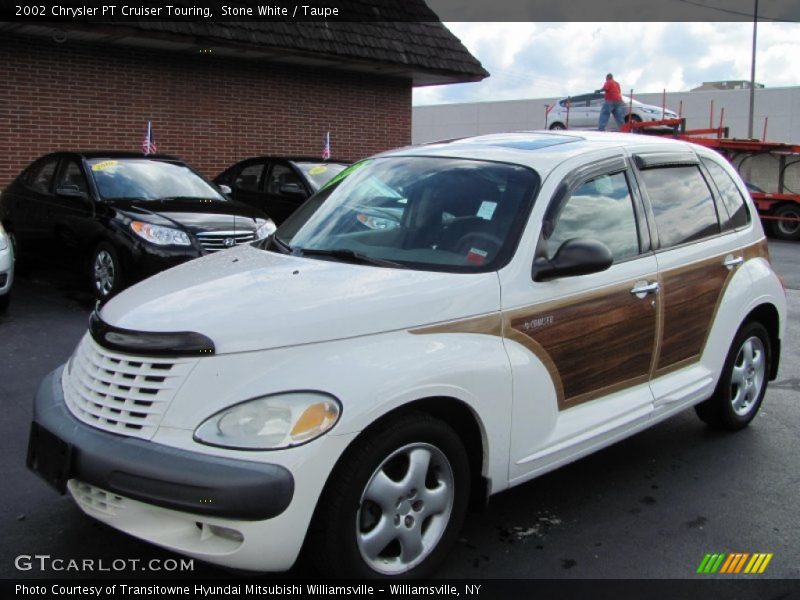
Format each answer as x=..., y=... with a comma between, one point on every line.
x=771, y=171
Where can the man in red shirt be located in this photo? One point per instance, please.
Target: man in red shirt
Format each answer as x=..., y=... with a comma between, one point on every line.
x=612, y=104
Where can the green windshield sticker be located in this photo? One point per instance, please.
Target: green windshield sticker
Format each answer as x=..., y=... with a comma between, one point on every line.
x=318, y=170
x=104, y=164
x=348, y=171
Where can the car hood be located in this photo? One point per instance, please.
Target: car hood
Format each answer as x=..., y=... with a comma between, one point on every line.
x=249, y=299
x=194, y=215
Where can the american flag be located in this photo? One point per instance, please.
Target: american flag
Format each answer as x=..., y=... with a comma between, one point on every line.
x=149, y=142
x=326, y=146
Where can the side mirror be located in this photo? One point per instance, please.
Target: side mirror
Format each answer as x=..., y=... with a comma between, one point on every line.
x=71, y=191
x=578, y=256
x=292, y=189
x=225, y=189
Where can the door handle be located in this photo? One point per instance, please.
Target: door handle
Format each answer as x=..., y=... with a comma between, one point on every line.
x=733, y=261
x=642, y=288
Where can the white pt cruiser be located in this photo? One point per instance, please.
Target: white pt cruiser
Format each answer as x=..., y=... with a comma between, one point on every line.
x=436, y=325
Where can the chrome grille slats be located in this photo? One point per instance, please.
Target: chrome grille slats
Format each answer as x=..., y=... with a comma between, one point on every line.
x=213, y=241
x=121, y=393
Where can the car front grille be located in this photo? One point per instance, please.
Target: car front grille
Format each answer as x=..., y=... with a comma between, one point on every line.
x=92, y=498
x=213, y=241
x=3, y=279
x=124, y=394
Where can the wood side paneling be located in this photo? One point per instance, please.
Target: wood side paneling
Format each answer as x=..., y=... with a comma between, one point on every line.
x=690, y=297
x=596, y=341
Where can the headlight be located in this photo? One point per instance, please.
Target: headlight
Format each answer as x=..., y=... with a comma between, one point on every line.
x=3, y=238
x=265, y=230
x=159, y=235
x=271, y=422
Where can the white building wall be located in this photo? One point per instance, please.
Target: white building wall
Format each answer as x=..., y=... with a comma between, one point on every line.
x=780, y=105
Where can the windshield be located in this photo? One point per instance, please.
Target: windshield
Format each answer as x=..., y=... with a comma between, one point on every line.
x=424, y=212
x=147, y=179
x=319, y=173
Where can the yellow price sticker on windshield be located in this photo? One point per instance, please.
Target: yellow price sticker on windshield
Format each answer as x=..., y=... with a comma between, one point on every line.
x=105, y=164
x=318, y=170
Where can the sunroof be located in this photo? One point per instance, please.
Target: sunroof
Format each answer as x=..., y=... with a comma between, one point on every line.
x=533, y=143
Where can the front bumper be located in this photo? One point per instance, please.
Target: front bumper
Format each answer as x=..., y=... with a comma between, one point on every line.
x=156, y=474
x=6, y=270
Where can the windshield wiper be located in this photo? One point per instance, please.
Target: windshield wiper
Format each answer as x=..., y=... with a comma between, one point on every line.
x=350, y=256
x=207, y=198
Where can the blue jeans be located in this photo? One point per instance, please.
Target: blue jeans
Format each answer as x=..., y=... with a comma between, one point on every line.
x=609, y=108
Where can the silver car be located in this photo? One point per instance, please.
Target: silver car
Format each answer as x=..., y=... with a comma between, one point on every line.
x=584, y=112
x=6, y=268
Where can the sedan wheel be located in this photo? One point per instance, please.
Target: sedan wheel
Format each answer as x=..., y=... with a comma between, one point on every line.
x=106, y=271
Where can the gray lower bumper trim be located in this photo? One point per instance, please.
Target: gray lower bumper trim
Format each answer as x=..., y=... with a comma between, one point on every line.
x=161, y=475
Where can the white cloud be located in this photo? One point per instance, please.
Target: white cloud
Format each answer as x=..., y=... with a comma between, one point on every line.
x=537, y=60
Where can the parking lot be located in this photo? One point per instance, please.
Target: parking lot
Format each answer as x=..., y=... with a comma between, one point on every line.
x=648, y=507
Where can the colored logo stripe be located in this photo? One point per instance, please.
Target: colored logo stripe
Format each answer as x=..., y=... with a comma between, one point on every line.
x=734, y=563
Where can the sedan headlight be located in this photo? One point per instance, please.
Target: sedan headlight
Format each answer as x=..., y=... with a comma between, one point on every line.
x=3, y=238
x=160, y=235
x=271, y=422
x=265, y=230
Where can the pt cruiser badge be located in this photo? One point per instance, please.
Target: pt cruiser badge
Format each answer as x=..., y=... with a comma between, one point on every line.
x=435, y=325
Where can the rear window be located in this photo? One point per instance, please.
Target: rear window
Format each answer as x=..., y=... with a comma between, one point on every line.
x=682, y=204
x=732, y=198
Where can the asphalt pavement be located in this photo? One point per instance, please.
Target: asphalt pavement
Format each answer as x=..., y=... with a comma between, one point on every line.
x=650, y=506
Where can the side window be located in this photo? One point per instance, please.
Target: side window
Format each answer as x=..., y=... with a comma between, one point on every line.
x=731, y=196
x=682, y=204
x=72, y=176
x=600, y=209
x=279, y=176
x=42, y=174
x=249, y=178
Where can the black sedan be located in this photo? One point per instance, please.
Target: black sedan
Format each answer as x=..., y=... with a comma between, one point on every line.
x=278, y=185
x=130, y=215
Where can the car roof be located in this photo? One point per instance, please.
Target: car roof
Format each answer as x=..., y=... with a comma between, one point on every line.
x=540, y=150
x=92, y=154
x=293, y=159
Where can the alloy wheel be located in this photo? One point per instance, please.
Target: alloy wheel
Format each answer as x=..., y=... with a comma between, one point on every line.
x=104, y=272
x=405, y=508
x=748, y=376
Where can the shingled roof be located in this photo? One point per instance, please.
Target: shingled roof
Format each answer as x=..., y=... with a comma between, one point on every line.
x=398, y=38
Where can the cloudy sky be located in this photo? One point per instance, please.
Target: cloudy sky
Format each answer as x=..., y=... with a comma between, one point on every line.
x=537, y=60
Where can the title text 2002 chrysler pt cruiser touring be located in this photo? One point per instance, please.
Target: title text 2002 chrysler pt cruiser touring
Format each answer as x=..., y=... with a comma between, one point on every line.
x=436, y=325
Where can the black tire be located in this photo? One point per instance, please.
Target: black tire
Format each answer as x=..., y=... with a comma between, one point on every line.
x=105, y=271
x=633, y=118
x=5, y=300
x=20, y=262
x=741, y=382
x=786, y=230
x=557, y=127
x=345, y=516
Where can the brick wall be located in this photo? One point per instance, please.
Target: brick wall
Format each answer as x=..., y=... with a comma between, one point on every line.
x=209, y=111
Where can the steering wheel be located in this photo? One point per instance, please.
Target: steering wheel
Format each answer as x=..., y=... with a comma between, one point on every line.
x=478, y=239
